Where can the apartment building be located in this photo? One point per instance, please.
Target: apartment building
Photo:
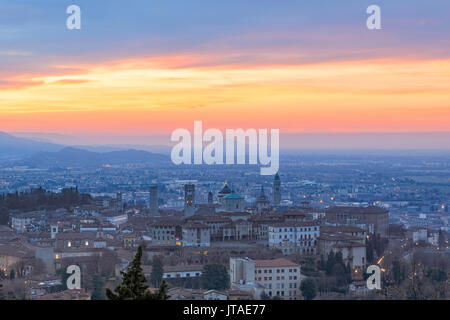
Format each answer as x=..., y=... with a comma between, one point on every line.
x=280, y=277
x=291, y=237
x=275, y=277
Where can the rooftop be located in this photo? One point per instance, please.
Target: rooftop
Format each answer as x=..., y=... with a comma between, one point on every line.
x=280, y=262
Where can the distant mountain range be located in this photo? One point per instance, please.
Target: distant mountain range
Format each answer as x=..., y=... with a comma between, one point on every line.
x=26, y=152
x=13, y=147
x=73, y=157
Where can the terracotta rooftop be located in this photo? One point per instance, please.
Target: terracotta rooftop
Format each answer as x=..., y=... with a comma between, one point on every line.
x=280, y=262
x=356, y=210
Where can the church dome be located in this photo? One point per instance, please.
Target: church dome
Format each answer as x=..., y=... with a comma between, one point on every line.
x=225, y=189
x=233, y=195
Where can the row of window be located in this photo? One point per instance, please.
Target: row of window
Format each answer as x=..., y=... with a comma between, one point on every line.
x=277, y=278
x=291, y=236
x=277, y=271
x=292, y=293
x=301, y=229
x=178, y=275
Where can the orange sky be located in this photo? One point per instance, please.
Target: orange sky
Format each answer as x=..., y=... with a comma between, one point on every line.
x=159, y=95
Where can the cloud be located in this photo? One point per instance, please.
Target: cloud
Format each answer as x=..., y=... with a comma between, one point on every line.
x=20, y=84
x=15, y=53
x=69, y=81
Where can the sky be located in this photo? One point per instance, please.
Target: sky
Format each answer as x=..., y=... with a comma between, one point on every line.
x=138, y=69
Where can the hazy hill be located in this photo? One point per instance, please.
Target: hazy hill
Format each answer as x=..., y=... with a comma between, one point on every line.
x=13, y=147
x=74, y=157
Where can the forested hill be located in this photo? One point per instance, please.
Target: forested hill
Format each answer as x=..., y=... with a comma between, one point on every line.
x=38, y=199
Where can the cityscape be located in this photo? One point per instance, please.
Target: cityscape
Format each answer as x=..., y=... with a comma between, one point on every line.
x=202, y=150
x=325, y=217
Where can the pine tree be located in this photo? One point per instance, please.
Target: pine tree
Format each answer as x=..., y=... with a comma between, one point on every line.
x=134, y=284
x=157, y=272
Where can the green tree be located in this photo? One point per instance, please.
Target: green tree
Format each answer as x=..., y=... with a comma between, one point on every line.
x=369, y=252
x=134, y=284
x=321, y=263
x=308, y=288
x=338, y=271
x=348, y=273
x=64, y=276
x=157, y=272
x=215, y=276
x=97, y=284
x=331, y=261
x=398, y=272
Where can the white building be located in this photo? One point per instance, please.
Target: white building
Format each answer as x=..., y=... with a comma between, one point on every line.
x=118, y=219
x=196, y=235
x=293, y=236
x=177, y=272
x=242, y=270
x=280, y=277
x=417, y=234
x=20, y=221
x=276, y=277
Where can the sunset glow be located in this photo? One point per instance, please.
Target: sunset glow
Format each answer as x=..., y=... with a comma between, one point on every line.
x=147, y=96
x=318, y=73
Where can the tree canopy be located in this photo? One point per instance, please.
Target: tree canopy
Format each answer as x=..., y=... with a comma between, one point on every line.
x=134, y=284
x=215, y=276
